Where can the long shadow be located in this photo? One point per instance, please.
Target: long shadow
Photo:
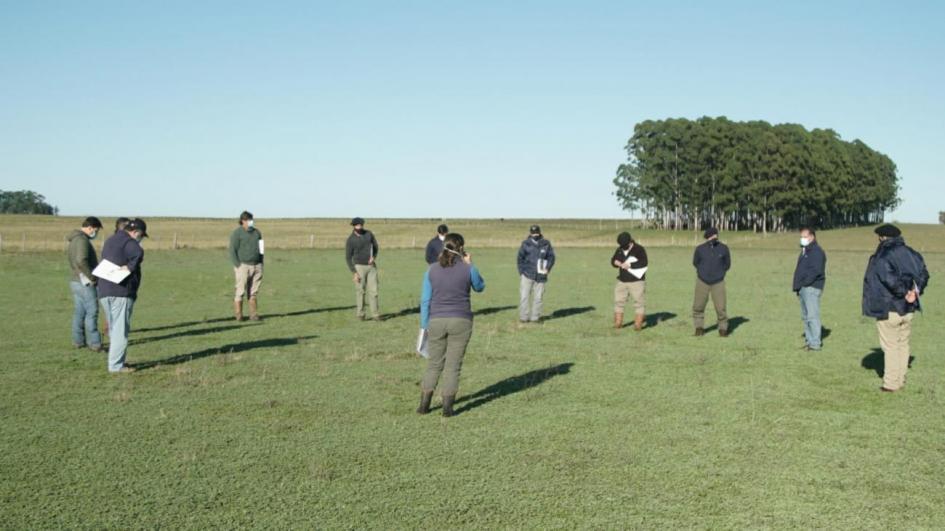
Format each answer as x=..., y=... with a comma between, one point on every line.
x=188, y=333
x=654, y=319
x=225, y=349
x=510, y=386
x=493, y=309
x=874, y=361
x=568, y=312
x=230, y=318
x=402, y=313
x=733, y=323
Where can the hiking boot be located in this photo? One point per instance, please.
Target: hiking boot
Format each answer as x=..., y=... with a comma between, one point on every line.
x=125, y=370
x=638, y=322
x=618, y=321
x=238, y=310
x=699, y=332
x=253, y=314
x=96, y=348
x=723, y=333
x=425, y=398
x=448, y=405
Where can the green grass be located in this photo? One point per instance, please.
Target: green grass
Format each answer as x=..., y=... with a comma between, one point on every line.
x=306, y=419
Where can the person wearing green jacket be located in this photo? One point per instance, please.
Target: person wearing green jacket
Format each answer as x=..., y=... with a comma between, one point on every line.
x=82, y=260
x=246, y=254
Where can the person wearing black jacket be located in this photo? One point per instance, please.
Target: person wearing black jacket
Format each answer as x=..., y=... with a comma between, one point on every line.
x=895, y=278
x=630, y=259
x=435, y=246
x=118, y=299
x=361, y=256
x=810, y=275
x=536, y=258
x=711, y=260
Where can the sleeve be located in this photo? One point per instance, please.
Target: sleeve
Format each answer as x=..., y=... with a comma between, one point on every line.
x=374, y=246
x=521, y=260
x=349, y=255
x=642, y=260
x=923, y=280
x=726, y=259
x=615, y=258
x=696, y=258
x=431, y=253
x=234, y=244
x=84, y=260
x=426, y=294
x=134, y=254
x=550, y=256
x=478, y=283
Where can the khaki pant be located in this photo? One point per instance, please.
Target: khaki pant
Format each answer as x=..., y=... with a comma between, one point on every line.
x=367, y=287
x=626, y=290
x=894, y=335
x=447, y=340
x=248, y=278
x=701, y=299
x=534, y=289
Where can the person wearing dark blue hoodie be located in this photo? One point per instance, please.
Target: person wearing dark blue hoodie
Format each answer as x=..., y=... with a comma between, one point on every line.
x=712, y=261
x=118, y=299
x=810, y=276
x=536, y=257
x=435, y=245
x=896, y=277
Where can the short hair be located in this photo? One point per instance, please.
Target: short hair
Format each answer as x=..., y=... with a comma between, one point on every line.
x=810, y=230
x=442, y=229
x=93, y=222
x=121, y=223
x=246, y=215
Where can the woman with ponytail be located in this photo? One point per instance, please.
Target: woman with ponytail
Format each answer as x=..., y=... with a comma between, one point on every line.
x=446, y=315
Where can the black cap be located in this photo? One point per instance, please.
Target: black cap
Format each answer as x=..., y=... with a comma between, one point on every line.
x=534, y=229
x=624, y=239
x=888, y=231
x=138, y=224
x=442, y=229
x=710, y=232
x=357, y=221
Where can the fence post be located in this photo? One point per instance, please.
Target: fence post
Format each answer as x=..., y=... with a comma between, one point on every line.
x=23, y=245
x=414, y=244
x=1, y=243
x=174, y=245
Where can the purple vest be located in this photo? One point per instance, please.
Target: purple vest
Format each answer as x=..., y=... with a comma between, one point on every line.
x=451, y=287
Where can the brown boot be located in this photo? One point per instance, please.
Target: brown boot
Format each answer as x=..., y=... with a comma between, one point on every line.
x=448, y=405
x=638, y=322
x=425, y=398
x=618, y=320
x=700, y=332
x=238, y=310
x=253, y=314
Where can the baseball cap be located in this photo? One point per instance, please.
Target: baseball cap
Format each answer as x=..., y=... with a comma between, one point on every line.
x=139, y=225
x=534, y=229
x=357, y=221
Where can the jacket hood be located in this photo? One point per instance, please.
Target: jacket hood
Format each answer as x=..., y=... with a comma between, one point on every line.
x=76, y=234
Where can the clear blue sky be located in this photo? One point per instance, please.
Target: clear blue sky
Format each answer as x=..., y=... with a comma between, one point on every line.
x=436, y=109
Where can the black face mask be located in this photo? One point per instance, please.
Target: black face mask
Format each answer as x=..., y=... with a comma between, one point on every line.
x=536, y=237
x=359, y=231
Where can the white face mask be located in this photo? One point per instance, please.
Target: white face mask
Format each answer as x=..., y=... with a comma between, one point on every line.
x=250, y=223
x=805, y=242
x=93, y=235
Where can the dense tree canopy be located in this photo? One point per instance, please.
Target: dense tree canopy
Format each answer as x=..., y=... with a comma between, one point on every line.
x=686, y=174
x=25, y=202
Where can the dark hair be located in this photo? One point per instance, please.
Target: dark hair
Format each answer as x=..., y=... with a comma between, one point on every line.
x=810, y=230
x=453, y=245
x=246, y=215
x=121, y=223
x=442, y=229
x=93, y=222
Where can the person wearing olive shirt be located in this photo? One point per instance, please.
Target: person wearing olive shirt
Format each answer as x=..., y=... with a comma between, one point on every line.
x=630, y=259
x=247, y=258
x=361, y=254
x=711, y=260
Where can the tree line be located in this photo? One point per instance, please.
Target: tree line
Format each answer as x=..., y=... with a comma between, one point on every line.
x=690, y=174
x=25, y=202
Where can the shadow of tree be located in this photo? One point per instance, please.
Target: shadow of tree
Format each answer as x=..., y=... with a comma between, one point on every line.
x=568, y=312
x=874, y=361
x=225, y=349
x=510, y=386
x=230, y=318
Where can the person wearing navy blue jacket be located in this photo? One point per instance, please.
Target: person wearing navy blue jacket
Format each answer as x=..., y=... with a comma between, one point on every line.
x=712, y=261
x=122, y=249
x=435, y=246
x=896, y=277
x=536, y=257
x=446, y=315
x=810, y=276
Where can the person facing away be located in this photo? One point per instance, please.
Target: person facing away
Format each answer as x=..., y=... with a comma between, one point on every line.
x=712, y=261
x=810, y=275
x=361, y=255
x=630, y=259
x=246, y=255
x=446, y=315
x=124, y=250
x=896, y=276
x=536, y=258
x=82, y=260
x=435, y=246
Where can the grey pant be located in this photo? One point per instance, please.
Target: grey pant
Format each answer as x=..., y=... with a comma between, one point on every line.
x=536, y=291
x=701, y=299
x=447, y=340
x=810, y=314
x=118, y=314
x=367, y=288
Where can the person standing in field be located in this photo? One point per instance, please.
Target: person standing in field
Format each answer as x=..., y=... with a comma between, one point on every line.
x=810, y=275
x=82, y=260
x=446, y=315
x=895, y=278
x=630, y=259
x=536, y=257
x=124, y=250
x=712, y=261
x=246, y=255
x=435, y=246
x=361, y=254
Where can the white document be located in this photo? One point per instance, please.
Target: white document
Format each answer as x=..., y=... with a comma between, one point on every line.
x=632, y=260
x=262, y=247
x=637, y=272
x=111, y=272
x=422, y=344
x=86, y=281
x=542, y=266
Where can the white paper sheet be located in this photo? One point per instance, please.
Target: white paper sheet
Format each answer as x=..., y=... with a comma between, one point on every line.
x=638, y=272
x=111, y=272
x=422, y=344
x=542, y=266
x=262, y=247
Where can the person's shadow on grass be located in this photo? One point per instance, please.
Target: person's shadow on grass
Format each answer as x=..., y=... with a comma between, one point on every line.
x=568, y=312
x=511, y=385
x=225, y=349
x=733, y=323
x=654, y=319
x=188, y=333
x=874, y=362
x=185, y=324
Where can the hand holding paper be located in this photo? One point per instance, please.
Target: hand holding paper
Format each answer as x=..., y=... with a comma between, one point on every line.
x=111, y=272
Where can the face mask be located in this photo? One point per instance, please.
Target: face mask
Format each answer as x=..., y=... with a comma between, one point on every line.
x=250, y=223
x=93, y=235
x=536, y=237
x=805, y=242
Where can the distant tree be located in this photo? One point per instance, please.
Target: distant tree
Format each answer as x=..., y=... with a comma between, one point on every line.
x=941, y=217
x=25, y=202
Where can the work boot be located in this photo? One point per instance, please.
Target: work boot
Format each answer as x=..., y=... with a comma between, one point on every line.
x=425, y=398
x=723, y=333
x=638, y=322
x=448, y=405
x=618, y=320
x=238, y=310
x=253, y=314
x=700, y=332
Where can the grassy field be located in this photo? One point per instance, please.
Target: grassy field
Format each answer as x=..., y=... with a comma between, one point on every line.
x=306, y=420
